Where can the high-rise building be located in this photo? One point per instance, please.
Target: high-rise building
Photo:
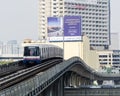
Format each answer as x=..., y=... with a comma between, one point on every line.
x=95, y=18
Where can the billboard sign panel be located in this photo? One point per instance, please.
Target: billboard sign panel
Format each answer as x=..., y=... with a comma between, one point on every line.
x=67, y=28
x=72, y=27
x=55, y=28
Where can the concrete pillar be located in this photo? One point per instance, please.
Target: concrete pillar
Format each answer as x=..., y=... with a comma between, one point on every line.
x=67, y=77
x=61, y=87
x=56, y=89
x=78, y=82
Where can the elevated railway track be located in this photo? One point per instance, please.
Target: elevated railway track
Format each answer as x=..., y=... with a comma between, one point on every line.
x=42, y=81
x=21, y=75
x=10, y=68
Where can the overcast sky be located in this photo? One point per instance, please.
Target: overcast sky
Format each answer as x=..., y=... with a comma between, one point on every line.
x=18, y=19
x=115, y=16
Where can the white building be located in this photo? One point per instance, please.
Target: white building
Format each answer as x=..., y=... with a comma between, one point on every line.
x=95, y=18
x=110, y=58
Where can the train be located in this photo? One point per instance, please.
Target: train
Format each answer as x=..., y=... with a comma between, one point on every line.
x=36, y=53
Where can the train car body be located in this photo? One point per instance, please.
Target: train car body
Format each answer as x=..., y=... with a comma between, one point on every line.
x=35, y=53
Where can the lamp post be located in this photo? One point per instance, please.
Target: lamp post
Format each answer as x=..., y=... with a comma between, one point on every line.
x=62, y=26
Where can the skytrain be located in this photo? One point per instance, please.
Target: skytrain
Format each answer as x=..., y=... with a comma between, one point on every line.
x=35, y=53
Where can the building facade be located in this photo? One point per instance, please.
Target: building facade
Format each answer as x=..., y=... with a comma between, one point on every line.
x=110, y=58
x=95, y=18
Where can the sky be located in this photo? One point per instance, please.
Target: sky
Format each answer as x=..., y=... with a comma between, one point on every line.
x=115, y=16
x=18, y=19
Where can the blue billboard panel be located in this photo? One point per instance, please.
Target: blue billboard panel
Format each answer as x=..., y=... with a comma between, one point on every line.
x=72, y=26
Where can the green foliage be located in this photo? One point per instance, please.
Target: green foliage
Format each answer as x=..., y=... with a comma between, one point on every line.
x=109, y=69
x=6, y=62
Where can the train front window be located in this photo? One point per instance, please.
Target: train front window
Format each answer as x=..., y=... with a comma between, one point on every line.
x=31, y=51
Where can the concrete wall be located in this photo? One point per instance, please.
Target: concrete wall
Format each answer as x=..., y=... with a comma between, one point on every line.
x=90, y=57
x=80, y=49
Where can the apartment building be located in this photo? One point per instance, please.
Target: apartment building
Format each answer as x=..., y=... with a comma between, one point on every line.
x=95, y=18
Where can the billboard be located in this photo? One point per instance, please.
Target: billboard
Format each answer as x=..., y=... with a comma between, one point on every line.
x=66, y=28
x=55, y=26
x=72, y=27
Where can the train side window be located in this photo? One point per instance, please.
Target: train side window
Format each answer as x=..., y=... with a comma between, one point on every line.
x=48, y=51
x=40, y=52
x=43, y=49
x=43, y=52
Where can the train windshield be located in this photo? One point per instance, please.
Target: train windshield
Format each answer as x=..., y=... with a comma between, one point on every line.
x=31, y=51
